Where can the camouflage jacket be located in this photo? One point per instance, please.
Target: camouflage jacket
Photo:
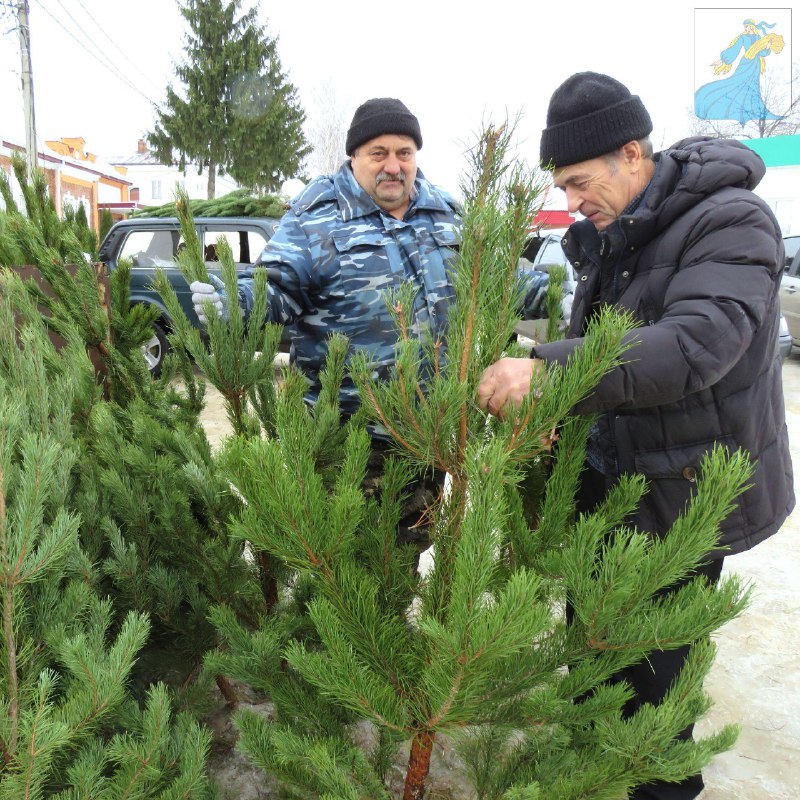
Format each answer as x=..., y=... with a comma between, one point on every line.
x=336, y=254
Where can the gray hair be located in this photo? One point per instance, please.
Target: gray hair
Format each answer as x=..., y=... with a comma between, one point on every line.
x=645, y=145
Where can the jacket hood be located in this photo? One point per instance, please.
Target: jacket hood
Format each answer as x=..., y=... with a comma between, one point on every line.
x=695, y=168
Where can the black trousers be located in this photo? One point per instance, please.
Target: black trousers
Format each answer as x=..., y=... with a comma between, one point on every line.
x=421, y=493
x=651, y=678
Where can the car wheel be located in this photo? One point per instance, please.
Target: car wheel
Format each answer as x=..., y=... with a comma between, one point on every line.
x=155, y=349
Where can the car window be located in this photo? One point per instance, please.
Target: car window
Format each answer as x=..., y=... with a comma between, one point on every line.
x=150, y=248
x=532, y=247
x=552, y=253
x=791, y=244
x=246, y=245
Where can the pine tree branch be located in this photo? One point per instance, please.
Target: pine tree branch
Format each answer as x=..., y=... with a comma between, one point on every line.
x=13, y=677
x=33, y=753
x=384, y=420
x=132, y=788
x=410, y=417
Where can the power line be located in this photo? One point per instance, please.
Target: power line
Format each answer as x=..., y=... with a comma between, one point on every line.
x=119, y=49
x=108, y=64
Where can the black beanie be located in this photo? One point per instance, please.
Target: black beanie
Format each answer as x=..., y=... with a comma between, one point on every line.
x=590, y=115
x=379, y=116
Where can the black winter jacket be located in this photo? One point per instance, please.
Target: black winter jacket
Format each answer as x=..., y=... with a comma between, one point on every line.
x=698, y=263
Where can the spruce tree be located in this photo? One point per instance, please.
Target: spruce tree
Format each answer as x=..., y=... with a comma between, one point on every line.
x=235, y=110
x=106, y=223
x=478, y=649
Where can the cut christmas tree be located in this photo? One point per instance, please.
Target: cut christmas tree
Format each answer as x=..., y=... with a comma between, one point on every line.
x=478, y=650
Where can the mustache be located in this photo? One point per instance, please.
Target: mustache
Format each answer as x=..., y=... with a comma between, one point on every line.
x=386, y=176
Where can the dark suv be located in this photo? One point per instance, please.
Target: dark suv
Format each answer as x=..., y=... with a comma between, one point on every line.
x=152, y=242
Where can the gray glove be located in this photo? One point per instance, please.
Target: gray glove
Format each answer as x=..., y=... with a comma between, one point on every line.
x=213, y=293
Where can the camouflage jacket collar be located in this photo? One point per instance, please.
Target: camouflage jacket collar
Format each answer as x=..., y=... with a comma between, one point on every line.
x=354, y=202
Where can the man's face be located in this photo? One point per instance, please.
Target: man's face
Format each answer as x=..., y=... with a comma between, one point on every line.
x=599, y=188
x=386, y=168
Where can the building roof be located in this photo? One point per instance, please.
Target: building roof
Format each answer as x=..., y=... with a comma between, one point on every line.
x=553, y=218
x=777, y=151
x=49, y=156
x=135, y=159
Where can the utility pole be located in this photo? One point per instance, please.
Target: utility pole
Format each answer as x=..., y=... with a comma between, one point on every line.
x=27, y=85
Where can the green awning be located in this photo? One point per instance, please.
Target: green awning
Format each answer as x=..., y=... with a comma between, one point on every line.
x=777, y=151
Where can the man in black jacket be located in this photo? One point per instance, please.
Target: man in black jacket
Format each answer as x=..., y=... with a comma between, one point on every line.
x=680, y=241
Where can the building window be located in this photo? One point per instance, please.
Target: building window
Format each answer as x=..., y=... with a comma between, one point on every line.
x=155, y=190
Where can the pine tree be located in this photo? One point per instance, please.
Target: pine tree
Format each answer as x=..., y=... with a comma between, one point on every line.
x=69, y=728
x=236, y=111
x=153, y=505
x=478, y=649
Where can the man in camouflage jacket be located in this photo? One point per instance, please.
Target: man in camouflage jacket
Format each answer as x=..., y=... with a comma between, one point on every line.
x=346, y=241
x=351, y=237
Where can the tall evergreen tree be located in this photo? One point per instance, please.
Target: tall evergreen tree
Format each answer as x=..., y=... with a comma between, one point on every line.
x=106, y=223
x=235, y=111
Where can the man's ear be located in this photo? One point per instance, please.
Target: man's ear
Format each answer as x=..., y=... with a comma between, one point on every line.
x=632, y=156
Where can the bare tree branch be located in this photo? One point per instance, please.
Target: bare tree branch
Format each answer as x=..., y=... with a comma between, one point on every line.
x=326, y=130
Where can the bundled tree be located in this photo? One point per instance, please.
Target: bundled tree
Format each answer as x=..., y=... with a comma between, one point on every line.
x=237, y=111
x=239, y=203
x=479, y=649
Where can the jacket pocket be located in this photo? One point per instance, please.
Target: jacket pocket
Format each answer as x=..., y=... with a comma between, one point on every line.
x=672, y=475
x=345, y=241
x=362, y=266
x=446, y=237
x=680, y=461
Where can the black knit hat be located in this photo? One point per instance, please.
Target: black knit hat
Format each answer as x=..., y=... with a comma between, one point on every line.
x=590, y=115
x=379, y=116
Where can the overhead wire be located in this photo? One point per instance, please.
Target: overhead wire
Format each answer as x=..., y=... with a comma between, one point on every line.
x=107, y=63
x=117, y=46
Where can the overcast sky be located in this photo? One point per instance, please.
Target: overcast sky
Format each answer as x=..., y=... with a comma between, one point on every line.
x=453, y=63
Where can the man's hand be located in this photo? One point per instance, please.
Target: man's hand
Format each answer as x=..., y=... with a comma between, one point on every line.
x=213, y=293
x=506, y=382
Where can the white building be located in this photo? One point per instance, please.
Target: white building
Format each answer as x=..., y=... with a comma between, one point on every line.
x=156, y=182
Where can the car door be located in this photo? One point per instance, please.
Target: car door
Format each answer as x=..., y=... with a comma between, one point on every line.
x=790, y=287
x=246, y=242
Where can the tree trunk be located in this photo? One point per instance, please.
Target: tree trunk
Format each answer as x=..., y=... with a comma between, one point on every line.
x=212, y=180
x=419, y=764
